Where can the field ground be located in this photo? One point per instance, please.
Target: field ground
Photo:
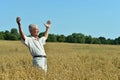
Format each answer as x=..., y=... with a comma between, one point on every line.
x=66, y=61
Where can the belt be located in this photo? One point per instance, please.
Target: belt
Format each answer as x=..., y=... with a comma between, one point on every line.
x=40, y=56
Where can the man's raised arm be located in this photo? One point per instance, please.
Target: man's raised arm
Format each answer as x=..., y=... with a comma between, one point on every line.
x=47, y=25
x=20, y=29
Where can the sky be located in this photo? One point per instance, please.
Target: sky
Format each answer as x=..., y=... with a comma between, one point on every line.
x=90, y=17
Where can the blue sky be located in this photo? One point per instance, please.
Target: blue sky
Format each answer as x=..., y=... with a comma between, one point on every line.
x=90, y=17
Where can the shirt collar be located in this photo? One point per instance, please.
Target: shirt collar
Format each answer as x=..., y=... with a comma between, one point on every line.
x=34, y=38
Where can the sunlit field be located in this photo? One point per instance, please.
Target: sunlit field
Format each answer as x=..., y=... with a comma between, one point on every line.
x=66, y=61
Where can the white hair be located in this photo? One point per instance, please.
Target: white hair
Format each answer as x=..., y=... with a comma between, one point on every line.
x=32, y=26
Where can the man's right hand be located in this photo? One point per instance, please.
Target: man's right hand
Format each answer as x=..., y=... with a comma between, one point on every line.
x=20, y=29
x=18, y=20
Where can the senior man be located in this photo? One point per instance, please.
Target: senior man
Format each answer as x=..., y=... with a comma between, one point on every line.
x=35, y=44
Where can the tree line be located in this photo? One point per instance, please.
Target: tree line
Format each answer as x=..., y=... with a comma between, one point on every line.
x=73, y=38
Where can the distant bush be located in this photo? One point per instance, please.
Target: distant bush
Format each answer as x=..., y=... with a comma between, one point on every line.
x=73, y=38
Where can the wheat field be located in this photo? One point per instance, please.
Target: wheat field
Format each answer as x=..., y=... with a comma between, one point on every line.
x=66, y=61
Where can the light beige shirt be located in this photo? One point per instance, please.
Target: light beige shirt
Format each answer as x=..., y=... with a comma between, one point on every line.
x=36, y=46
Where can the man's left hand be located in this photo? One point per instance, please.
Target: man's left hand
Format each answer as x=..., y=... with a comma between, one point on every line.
x=48, y=24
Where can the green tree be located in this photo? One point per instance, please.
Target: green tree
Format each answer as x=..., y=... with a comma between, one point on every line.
x=74, y=37
x=110, y=41
x=96, y=41
x=88, y=40
x=13, y=37
x=14, y=34
x=61, y=38
x=102, y=40
x=78, y=38
x=117, y=40
x=69, y=38
x=2, y=35
x=41, y=34
x=7, y=35
x=14, y=31
x=52, y=38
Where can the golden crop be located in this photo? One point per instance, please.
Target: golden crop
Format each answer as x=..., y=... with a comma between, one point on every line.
x=66, y=61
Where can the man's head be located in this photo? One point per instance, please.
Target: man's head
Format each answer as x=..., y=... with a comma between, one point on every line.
x=33, y=28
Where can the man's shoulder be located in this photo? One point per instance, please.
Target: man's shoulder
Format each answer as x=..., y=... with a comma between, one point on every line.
x=28, y=37
x=43, y=37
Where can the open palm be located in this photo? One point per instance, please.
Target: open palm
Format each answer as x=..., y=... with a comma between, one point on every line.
x=48, y=24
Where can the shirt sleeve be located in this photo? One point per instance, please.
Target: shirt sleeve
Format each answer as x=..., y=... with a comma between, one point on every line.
x=26, y=42
x=43, y=40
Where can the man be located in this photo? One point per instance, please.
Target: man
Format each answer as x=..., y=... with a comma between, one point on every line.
x=35, y=44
